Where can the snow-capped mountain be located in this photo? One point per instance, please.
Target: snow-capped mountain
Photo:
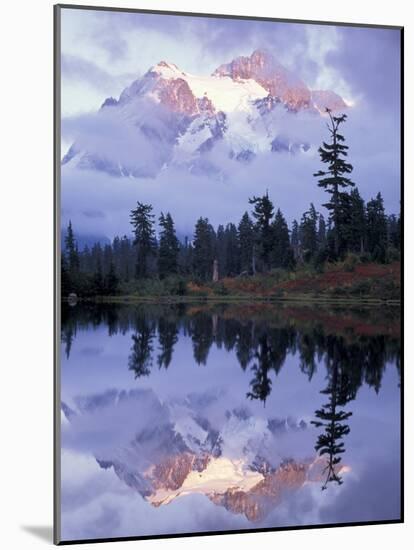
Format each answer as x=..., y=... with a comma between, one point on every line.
x=168, y=116
x=192, y=445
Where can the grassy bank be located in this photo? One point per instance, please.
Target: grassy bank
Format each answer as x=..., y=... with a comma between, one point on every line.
x=341, y=283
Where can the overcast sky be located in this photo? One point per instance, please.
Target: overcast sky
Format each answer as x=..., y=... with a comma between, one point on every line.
x=103, y=52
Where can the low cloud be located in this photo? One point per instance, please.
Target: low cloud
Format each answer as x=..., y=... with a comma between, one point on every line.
x=289, y=178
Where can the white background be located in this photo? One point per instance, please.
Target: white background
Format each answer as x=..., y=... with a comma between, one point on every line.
x=26, y=281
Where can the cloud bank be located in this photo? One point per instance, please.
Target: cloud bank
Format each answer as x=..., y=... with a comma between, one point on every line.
x=362, y=64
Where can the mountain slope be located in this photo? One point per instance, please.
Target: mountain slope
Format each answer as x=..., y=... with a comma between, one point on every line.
x=169, y=117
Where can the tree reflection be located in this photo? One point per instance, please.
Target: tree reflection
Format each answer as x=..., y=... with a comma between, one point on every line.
x=245, y=344
x=261, y=383
x=167, y=338
x=332, y=419
x=202, y=336
x=68, y=335
x=140, y=359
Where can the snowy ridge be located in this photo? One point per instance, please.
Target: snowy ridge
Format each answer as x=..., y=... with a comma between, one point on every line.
x=170, y=117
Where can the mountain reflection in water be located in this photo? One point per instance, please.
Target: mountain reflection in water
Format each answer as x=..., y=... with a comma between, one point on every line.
x=166, y=436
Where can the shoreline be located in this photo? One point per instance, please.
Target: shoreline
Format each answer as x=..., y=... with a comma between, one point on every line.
x=300, y=300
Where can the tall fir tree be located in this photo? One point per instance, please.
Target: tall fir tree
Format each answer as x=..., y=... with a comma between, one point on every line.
x=263, y=214
x=169, y=247
x=221, y=250
x=72, y=252
x=308, y=234
x=246, y=243
x=126, y=259
x=377, y=229
x=357, y=223
x=394, y=232
x=204, y=249
x=282, y=253
x=142, y=221
x=334, y=179
x=232, y=251
x=65, y=283
x=295, y=241
x=321, y=233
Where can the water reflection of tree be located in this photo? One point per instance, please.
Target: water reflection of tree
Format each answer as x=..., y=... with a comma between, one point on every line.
x=332, y=419
x=310, y=346
x=141, y=357
x=270, y=350
x=202, y=337
x=245, y=343
x=167, y=338
x=260, y=343
x=261, y=383
x=68, y=335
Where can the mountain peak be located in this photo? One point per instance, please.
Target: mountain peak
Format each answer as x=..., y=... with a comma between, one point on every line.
x=166, y=70
x=263, y=67
x=181, y=116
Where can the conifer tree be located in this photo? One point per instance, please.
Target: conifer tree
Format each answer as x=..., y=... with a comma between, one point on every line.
x=232, y=266
x=142, y=221
x=357, y=222
x=221, y=250
x=169, y=247
x=72, y=253
x=321, y=233
x=204, y=249
x=246, y=243
x=308, y=233
x=377, y=229
x=334, y=179
x=126, y=260
x=295, y=241
x=65, y=286
x=263, y=214
x=282, y=253
x=394, y=231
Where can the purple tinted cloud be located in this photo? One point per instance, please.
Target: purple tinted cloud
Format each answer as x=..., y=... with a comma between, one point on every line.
x=369, y=60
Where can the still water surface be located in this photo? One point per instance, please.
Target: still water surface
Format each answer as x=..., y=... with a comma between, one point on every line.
x=186, y=418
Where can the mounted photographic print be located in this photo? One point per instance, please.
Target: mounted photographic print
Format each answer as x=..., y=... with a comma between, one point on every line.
x=228, y=274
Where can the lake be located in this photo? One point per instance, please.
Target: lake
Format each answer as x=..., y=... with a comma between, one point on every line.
x=182, y=418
